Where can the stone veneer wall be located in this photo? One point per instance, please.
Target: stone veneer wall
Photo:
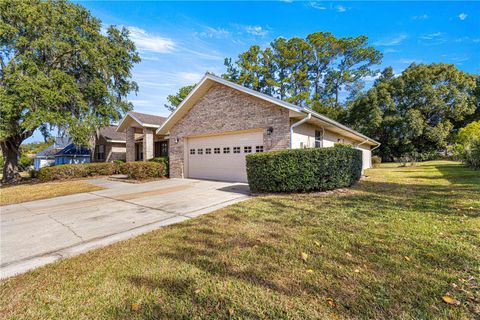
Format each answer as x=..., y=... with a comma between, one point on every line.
x=130, y=145
x=223, y=109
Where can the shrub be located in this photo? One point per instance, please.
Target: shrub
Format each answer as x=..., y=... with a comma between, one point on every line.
x=118, y=161
x=376, y=161
x=301, y=170
x=163, y=161
x=143, y=170
x=472, y=155
x=134, y=170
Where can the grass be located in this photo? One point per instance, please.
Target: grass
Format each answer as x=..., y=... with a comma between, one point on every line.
x=12, y=194
x=391, y=247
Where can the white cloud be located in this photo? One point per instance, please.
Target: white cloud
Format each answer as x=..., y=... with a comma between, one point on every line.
x=420, y=17
x=210, y=32
x=146, y=42
x=341, y=8
x=390, y=50
x=392, y=41
x=433, y=38
x=317, y=5
x=192, y=77
x=462, y=16
x=256, y=30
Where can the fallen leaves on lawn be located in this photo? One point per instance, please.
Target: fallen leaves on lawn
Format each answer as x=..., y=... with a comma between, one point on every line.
x=317, y=243
x=330, y=302
x=450, y=300
x=407, y=258
x=304, y=256
x=309, y=270
x=356, y=270
x=136, y=306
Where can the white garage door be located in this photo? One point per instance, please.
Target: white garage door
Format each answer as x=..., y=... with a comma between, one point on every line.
x=222, y=157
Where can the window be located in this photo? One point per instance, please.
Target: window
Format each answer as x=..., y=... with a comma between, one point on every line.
x=247, y=149
x=259, y=149
x=208, y=151
x=216, y=150
x=339, y=140
x=226, y=150
x=236, y=149
x=100, y=152
x=192, y=151
x=161, y=148
x=318, y=139
x=200, y=151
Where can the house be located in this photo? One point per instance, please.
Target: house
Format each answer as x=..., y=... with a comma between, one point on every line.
x=46, y=157
x=141, y=140
x=109, y=146
x=72, y=154
x=219, y=122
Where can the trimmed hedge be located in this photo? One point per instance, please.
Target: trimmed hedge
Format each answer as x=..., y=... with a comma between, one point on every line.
x=163, y=160
x=134, y=170
x=303, y=170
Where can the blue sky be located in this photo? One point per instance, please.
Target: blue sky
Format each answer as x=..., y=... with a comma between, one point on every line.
x=180, y=41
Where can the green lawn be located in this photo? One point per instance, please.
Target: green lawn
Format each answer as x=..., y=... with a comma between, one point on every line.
x=389, y=248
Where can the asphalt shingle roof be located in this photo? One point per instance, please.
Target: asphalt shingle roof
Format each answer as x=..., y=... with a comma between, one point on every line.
x=110, y=133
x=148, y=118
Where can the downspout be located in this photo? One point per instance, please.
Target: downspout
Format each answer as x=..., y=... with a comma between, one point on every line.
x=296, y=124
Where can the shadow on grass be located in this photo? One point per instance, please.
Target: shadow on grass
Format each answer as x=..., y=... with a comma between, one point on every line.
x=257, y=246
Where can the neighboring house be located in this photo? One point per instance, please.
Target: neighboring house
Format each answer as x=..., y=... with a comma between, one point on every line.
x=72, y=154
x=110, y=146
x=219, y=122
x=46, y=157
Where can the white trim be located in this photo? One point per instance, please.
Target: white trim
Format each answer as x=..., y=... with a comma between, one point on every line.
x=337, y=124
x=116, y=141
x=262, y=96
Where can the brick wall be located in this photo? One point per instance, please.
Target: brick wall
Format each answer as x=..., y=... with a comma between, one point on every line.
x=223, y=109
x=130, y=145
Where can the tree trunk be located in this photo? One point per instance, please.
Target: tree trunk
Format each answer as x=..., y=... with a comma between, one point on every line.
x=11, y=153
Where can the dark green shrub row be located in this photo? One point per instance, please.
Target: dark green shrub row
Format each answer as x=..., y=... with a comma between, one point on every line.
x=302, y=170
x=163, y=161
x=134, y=170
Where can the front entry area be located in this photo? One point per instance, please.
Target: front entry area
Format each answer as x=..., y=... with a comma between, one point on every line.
x=222, y=157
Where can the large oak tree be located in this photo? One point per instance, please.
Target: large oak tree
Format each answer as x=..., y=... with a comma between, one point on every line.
x=60, y=69
x=416, y=113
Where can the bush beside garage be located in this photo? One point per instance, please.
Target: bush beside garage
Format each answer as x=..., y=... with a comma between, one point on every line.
x=304, y=170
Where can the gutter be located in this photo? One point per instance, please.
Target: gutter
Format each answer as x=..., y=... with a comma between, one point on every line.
x=296, y=124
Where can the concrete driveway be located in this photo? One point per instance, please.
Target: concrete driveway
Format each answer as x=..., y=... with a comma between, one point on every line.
x=40, y=232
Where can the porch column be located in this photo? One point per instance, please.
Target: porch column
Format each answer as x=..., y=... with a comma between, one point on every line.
x=130, y=144
x=147, y=144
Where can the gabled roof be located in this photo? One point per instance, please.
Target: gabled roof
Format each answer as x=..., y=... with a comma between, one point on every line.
x=111, y=134
x=73, y=150
x=208, y=80
x=50, y=151
x=142, y=120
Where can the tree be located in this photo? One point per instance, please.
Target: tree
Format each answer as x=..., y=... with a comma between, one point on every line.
x=417, y=112
x=177, y=98
x=310, y=72
x=58, y=69
x=355, y=61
